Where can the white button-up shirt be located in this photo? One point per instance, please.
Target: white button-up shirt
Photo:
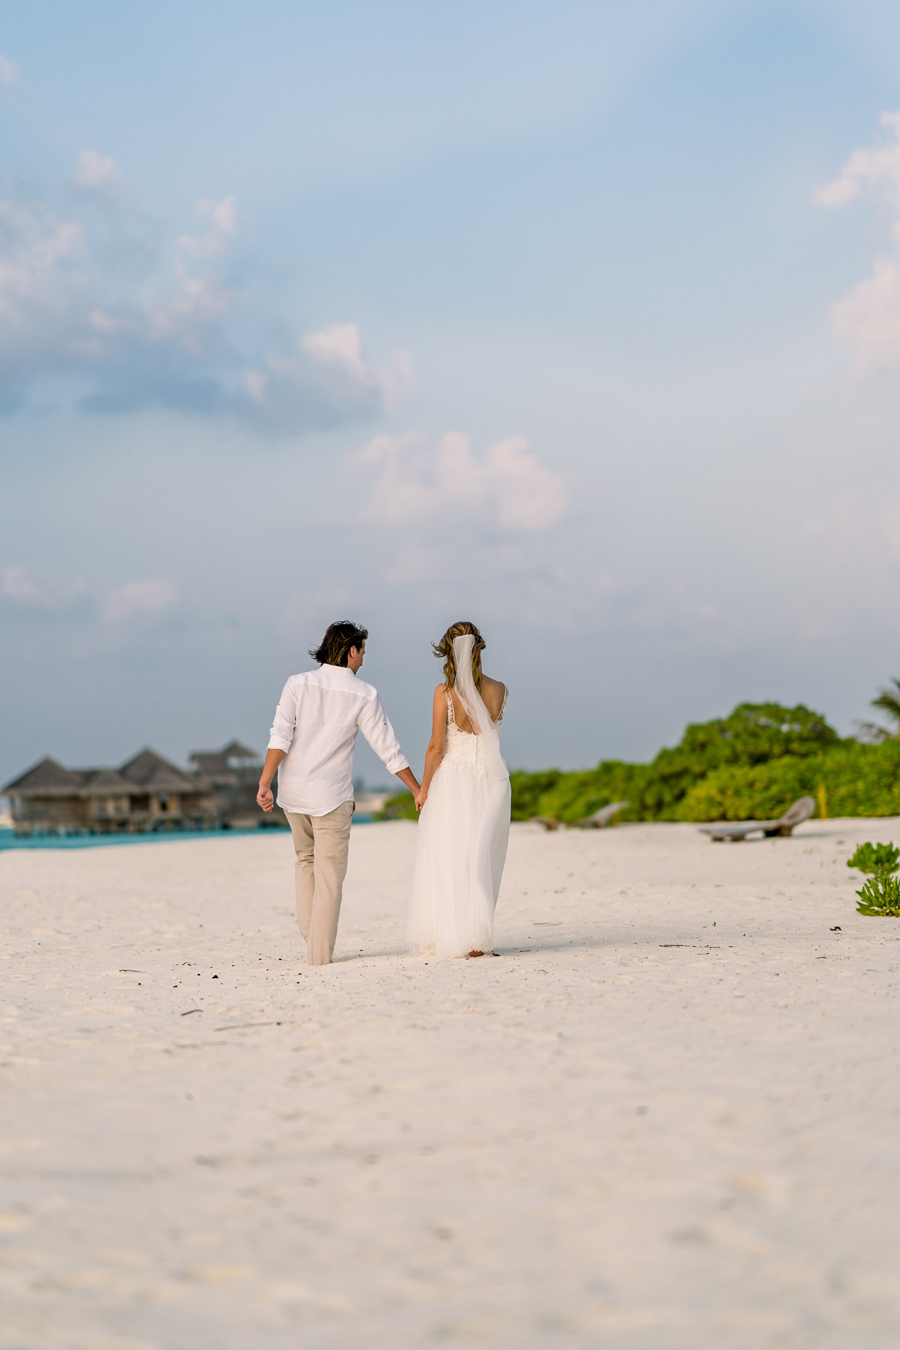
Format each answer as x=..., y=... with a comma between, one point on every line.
x=316, y=724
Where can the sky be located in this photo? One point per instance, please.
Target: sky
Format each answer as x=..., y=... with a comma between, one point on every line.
x=579, y=319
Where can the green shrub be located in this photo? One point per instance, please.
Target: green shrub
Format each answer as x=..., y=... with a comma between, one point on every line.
x=742, y=792
x=399, y=807
x=753, y=734
x=881, y=894
x=863, y=780
x=576, y=795
x=527, y=790
x=876, y=859
x=751, y=764
x=859, y=780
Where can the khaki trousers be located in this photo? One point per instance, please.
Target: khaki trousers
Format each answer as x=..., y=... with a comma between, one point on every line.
x=321, y=844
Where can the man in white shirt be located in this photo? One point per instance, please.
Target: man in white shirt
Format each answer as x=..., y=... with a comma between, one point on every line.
x=311, y=744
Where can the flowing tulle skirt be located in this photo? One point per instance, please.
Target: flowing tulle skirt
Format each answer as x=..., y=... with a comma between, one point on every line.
x=461, y=844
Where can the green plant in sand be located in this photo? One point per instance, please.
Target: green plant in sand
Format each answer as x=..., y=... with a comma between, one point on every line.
x=881, y=894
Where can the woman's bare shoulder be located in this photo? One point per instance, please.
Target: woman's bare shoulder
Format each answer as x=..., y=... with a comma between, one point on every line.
x=494, y=694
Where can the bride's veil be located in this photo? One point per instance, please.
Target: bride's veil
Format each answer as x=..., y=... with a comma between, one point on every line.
x=476, y=711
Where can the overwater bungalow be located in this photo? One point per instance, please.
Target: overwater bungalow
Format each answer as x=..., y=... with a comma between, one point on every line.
x=147, y=793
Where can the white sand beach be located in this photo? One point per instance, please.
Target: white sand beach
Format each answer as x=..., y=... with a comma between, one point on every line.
x=664, y=1118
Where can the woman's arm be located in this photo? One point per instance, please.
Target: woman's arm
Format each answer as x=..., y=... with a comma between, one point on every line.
x=436, y=746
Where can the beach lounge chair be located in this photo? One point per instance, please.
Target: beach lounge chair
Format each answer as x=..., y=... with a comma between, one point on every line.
x=794, y=815
x=600, y=819
x=547, y=821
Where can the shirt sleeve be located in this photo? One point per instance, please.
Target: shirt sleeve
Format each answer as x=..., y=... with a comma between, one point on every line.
x=376, y=728
x=282, y=733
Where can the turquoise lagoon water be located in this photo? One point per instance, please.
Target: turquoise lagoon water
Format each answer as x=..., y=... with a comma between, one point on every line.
x=9, y=840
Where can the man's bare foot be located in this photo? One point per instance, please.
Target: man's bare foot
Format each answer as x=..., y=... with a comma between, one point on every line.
x=476, y=953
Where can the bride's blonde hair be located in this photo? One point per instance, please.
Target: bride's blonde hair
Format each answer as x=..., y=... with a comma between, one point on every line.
x=444, y=649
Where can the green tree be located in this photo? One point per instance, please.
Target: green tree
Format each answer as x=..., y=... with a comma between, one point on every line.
x=754, y=733
x=887, y=702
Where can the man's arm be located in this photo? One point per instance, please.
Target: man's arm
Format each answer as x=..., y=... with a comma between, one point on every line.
x=264, y=797
x=280, y=738
x=407, y=777
x=376, y=728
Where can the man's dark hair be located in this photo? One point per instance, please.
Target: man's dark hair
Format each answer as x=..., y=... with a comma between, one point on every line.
x=334, y=649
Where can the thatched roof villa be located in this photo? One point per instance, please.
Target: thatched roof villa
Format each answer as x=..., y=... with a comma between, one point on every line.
x=147, y=792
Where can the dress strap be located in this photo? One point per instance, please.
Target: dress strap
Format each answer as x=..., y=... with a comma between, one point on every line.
x=451, y=718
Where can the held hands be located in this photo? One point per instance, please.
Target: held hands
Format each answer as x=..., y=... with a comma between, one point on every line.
x=264, y=797
x=420, y=798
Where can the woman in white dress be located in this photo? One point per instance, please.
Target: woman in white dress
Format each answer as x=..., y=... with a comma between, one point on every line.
x=464, y=802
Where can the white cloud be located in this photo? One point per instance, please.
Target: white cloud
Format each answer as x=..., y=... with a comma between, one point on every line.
x=95, y=170
x=35, y=246
x=869, y=317
x=94, y=295
x=223, y=216
x=189, y=308
x=64, y=310
x=8, y=72
x=528, y=497
x=137, y=598
x=866, y=168
x=19, y=587
x=325, y=379
x=338, y=349
x=21, y=590
x=131, y=600
x=506, y=489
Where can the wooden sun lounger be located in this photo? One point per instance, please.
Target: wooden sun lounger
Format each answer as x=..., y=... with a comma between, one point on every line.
x=600, y=819
x=801, y=810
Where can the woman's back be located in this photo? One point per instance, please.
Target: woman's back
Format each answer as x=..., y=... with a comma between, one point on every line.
x=493, y=694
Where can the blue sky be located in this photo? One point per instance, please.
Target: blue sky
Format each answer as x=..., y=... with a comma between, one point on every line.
x=580, y=320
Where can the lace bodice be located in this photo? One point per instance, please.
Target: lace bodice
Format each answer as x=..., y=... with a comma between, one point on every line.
x=463, y=747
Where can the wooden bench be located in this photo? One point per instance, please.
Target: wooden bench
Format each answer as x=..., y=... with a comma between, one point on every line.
x=600, y=819
x=801, y=810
